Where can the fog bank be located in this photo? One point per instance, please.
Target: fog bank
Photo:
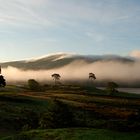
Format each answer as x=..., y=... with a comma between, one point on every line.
x=124, y=72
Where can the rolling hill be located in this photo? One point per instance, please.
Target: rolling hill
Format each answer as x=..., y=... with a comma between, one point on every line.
x=63, y=59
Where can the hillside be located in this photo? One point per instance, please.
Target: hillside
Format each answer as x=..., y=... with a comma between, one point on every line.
x=93, y=113
x=62, y=59
x=75, y=134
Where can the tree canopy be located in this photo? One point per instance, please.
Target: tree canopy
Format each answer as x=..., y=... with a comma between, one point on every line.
x=92, y=76
x=33, y=84
x=56, y=77
x=2, y=81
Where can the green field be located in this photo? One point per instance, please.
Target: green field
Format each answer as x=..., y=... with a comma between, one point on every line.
x=74, y=134
x=92, y=114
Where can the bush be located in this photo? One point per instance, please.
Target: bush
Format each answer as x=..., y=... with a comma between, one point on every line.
x=58, y=116
x=28, y=120
x=34, y=85
x=22, y=137
x=111, y=87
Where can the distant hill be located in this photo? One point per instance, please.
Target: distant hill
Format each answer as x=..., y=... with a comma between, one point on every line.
x=62, y=59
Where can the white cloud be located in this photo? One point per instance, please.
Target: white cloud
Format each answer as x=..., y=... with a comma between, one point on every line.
x=48, y=12
x=19, y=13
x=135, y=53
x=95, y=11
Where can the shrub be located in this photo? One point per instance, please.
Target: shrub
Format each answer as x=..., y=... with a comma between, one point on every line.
x=111, y=87
x=58, y=116
x=34, y=85
x=28, y=120
x=22, y=137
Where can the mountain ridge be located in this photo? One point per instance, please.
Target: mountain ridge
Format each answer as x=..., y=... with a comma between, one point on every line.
x=62, y=59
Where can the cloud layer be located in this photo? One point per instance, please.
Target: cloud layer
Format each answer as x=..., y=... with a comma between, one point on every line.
x=135, y=54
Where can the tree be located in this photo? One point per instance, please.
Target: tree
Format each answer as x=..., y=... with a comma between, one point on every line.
x=34, y=85
x=56, y=77
x=2, y=81
x=92, y=76
x=111, y=87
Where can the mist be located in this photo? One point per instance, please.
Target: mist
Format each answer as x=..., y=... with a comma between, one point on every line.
x=122, y=72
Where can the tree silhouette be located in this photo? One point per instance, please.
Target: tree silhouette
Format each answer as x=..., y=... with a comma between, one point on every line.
x=34, y=85
x=56, y=77
x=92, y=76
x=2, y=81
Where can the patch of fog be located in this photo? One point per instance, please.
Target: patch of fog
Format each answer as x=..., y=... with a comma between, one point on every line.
x=123, y=72
x=62, y=55
x=128, y=90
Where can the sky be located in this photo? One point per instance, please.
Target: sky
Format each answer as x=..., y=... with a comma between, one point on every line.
x=32, y=28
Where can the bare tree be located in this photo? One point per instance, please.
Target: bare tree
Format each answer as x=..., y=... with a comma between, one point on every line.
x=56, y=77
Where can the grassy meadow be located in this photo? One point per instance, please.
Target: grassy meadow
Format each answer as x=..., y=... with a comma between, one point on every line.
x=68, y=112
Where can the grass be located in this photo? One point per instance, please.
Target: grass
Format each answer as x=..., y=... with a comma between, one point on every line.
x=74, y=134
x=91, y=108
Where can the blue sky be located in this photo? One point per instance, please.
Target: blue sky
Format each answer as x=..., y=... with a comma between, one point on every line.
x=31, y=28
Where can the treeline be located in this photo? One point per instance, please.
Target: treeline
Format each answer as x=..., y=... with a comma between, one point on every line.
x=111, y=87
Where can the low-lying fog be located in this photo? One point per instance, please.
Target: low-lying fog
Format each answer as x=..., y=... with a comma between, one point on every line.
x=128, y=90
x=127, y=73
